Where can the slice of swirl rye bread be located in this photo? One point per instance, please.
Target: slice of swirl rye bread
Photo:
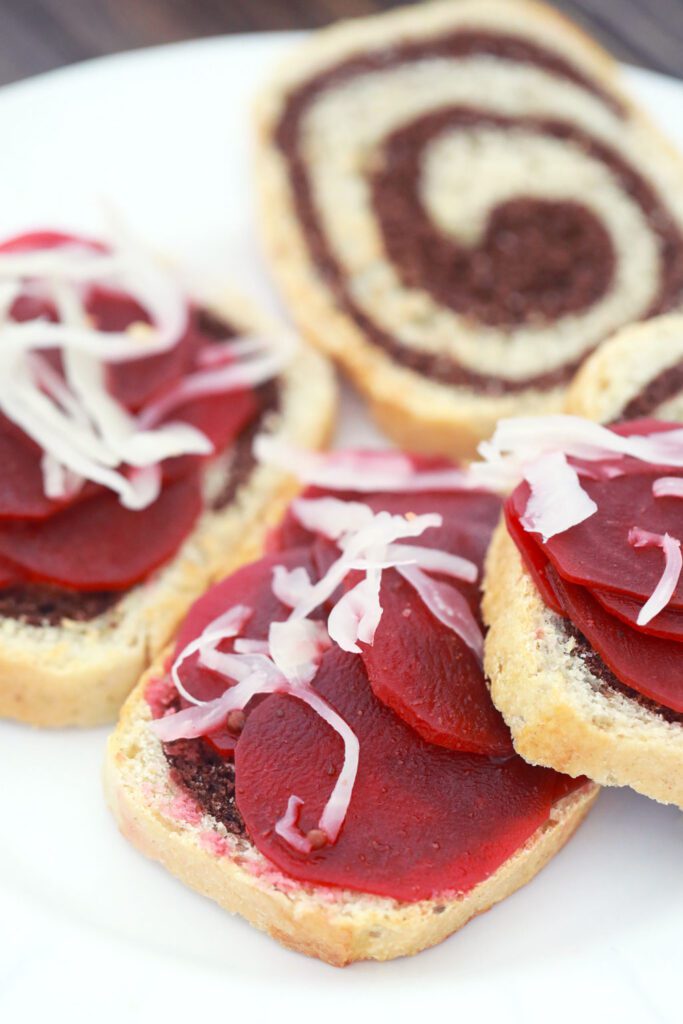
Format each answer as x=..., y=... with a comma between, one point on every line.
x=636, y=373
x=69, y=658
x=460, y=204
x=563, y=705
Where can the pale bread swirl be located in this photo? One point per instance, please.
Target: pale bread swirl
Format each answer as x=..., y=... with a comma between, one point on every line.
x=464, y=175
x=79, y=673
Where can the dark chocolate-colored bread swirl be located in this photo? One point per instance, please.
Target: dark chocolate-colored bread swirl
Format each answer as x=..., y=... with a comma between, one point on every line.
x=460, y=205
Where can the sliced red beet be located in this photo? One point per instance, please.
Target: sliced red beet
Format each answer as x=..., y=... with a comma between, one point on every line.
x=597, y=553
x=667, y=624
x=648, y=664
x=430, y=677
x=533, y=557
x=422, y=820
x=22, y=494
x=100, y=545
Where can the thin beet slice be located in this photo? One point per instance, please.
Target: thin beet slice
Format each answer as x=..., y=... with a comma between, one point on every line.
x=135, y=382
x=648, y=664
x=430, y=678
x=22, y=494
x=100, y=545
x=422, y=820
x=532, y=554
x=469, y=517
x=668, y=624
x=596, y=553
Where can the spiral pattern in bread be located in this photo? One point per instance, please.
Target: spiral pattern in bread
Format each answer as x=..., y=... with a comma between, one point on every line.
x=462, y=206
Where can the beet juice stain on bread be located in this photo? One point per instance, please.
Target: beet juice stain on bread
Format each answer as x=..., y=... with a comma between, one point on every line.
x=319, y=752
x=584, y=600
x=459, y=205
x=127, y=416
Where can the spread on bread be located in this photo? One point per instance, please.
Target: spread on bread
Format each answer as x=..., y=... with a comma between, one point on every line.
x=328, y=702
x=116, y=392
x=597, y=521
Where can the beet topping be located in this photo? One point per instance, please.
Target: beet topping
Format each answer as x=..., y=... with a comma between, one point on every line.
x=593, y=575
x=87, y=540
x=439, y=800
x=430, y=678
x=422, y=820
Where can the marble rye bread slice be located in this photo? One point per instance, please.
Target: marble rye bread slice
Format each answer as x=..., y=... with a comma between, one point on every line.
x=460, y=205
x=635, y=374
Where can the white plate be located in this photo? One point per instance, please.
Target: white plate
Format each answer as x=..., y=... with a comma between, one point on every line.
x=90, y=929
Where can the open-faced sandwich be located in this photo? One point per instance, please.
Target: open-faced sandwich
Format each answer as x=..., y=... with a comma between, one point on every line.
x=584, y=600
x=460, y=204
x=319, y=751
x=127, y=483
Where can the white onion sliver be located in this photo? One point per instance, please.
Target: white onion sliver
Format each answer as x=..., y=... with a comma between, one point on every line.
x=557, y=500
x=291, y=586
x=297, y=647
x=287, y=827
x=331, y=517
x=668, y=487
x=357, y=614
x=527, y=437
x=435, y=560
x=673, y=562
x=228, y=625
x=368, y=470
x=449, y=606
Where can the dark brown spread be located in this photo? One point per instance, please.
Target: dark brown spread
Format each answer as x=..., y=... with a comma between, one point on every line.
x=660, y=389
x=538, y=260
x=208, y=778
x=608, y=681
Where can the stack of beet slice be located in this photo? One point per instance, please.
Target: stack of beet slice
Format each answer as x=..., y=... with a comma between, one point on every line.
x=440, y=799
x=594, y=576
x=90, y=542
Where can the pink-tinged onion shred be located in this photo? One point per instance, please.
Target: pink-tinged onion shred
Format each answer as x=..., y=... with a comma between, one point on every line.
x=668, y=487
x=449, y=606
x=673, y=562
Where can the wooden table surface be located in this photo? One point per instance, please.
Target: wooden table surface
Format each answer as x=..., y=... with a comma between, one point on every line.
x=36, y=35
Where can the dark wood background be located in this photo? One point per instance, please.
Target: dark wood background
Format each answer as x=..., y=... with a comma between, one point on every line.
x=36, y=35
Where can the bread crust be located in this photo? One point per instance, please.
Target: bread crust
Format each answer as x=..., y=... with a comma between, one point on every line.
x=415, y=411
x=559, y=713
x=337, y=926
x=624, y=365
x=79, y=673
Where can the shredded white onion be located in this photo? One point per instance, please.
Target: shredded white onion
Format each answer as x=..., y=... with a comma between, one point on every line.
x=291, y=586
x=85, y=433
x=356, y=616
x=557, y=500
x=523, y=439
x=361, y=471
x=668, y=487
x=448, y=605
x=673, y=562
